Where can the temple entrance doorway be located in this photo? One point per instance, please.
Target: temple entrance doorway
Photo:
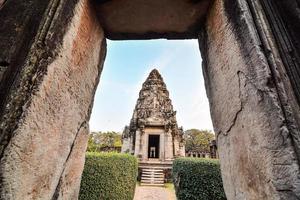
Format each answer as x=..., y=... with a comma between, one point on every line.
x=153, y=146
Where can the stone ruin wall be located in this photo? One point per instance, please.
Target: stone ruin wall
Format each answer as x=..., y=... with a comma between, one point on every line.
x=43, y=157
x=254, y=113
x=250, y=51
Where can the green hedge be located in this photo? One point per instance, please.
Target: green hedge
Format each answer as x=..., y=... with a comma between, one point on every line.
x=108, y=176
x=197, y=179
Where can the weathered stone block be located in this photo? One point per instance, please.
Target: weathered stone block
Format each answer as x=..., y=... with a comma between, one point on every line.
x=143, y=19
x=44, y=155
x=256, y=149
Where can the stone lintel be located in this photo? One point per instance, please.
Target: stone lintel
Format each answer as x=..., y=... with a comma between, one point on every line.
x=143, y=19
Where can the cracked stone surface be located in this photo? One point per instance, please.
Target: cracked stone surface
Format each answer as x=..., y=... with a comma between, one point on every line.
x=44, y=157
x=255, y=142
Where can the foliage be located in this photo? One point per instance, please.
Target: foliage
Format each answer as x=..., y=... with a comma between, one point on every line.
x=198, y=179
x=99, y=140
x=108, y=176
x=198, y=140
x=92, y=147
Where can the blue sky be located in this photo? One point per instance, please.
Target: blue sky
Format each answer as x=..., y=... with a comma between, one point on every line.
x=126, y=67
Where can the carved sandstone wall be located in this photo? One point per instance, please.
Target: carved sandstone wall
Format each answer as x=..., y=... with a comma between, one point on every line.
x=254, y=135
x=154, y=112
x=42, y=156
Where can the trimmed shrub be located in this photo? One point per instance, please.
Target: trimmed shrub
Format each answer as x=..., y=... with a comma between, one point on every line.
x=198, y=179
x=108, y=176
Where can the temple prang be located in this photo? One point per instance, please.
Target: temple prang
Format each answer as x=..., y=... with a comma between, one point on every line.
x=153, y=134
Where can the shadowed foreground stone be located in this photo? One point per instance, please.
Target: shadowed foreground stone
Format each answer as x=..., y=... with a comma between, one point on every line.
x=143, y=19
x=42, y=156
x=251, y=107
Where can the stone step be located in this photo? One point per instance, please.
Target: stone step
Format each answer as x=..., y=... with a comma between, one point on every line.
x=157, y=171
x=153, y=175
x=153, y=170
x=158, y=178
x=151, y=178
x=153, y=182
x=150, y=171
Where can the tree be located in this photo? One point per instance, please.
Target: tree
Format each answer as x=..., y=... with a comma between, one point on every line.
x=99, y=140
x=198, y=140
x=92, y=147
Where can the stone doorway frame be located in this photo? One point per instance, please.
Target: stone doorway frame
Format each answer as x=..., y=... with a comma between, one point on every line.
x=250, y=51
x=158, y=152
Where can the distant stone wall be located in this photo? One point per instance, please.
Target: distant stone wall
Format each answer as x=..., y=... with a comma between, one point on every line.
x=197, y=154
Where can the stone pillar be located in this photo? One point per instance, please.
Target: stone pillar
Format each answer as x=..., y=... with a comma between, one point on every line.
x=142, y=138
x=176, y=147
x=54, y=52
x=182, y=149
x=162, y=146
x=126, y=145
x=137, y=143
x=169, y=146
x=145, y=146
x=131, y=145
x=253, y=106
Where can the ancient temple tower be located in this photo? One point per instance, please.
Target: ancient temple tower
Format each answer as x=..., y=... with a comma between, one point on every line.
x=153, y=134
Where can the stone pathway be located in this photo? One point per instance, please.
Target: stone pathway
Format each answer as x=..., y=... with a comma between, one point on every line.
x=153, y=193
